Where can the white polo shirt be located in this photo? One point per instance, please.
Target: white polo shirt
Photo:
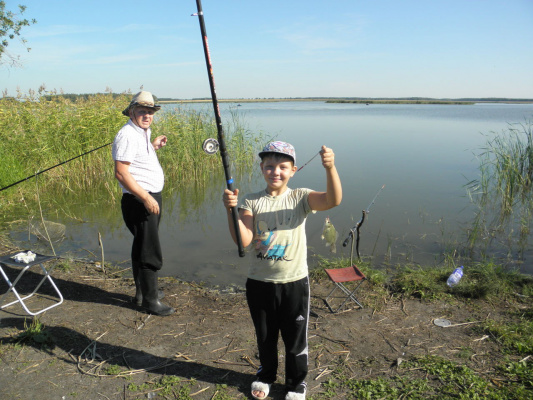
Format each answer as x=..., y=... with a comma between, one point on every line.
x=132, y=144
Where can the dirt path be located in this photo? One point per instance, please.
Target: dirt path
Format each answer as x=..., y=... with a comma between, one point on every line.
x=104, y=348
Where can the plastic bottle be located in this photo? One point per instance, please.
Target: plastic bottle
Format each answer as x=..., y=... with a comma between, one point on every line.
x=455, y=277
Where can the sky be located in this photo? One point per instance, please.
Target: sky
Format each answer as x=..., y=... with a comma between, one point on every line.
x=277, y=48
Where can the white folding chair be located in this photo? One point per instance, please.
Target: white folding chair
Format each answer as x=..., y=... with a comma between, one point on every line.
x=39, y=260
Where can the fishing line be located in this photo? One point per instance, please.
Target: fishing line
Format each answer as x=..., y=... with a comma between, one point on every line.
x=52, y=167
x=211, y=145
x=312, y=158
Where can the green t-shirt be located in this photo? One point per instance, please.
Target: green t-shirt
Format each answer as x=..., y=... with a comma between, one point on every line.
x=279, y=246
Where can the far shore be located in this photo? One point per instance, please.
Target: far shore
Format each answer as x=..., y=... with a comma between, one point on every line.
x=368, y=101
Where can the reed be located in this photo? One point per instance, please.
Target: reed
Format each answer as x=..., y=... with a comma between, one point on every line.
x=41, y=129
x=502, y=194
x=184, y=158
x=40, y=133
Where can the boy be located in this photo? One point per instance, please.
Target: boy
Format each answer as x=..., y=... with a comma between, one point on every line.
x=277, y=288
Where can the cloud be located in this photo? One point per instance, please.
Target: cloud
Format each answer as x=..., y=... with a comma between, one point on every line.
x=138, y=28
x=69, y=30
x=311, y=36
x=61, y=30
x=312, y=43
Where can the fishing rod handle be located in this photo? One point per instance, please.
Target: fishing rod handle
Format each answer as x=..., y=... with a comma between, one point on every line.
x=235, y=217
x=350, y=235
x=234, y=210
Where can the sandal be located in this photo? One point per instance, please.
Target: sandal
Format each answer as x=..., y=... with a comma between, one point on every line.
x=295, y=396
x=258, y=386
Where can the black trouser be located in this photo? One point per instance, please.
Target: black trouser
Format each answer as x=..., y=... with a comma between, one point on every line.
x=146, y=249
x=281, y=307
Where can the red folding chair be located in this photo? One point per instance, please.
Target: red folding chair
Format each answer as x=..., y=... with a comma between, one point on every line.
x=341, y=277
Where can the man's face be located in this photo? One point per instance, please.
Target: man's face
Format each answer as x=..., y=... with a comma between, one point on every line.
x=142, y=116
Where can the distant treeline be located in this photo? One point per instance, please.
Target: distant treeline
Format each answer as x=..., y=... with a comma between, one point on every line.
x=398, y=100
x=428, y=100
x=75, y=97
x=417, y=100
x=392, y=101
x=469, y=99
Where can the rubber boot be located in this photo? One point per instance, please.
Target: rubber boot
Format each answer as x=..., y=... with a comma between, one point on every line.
x=138, y=299
x=150, y=301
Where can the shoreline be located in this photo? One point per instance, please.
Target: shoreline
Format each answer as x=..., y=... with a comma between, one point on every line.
x=367, y=101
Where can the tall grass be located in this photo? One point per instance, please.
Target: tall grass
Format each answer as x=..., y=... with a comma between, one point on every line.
x=38, y=134
x=184, y=157
x=502, y=194
x=41, y=129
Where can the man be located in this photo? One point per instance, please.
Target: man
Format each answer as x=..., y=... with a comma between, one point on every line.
x=140, y=175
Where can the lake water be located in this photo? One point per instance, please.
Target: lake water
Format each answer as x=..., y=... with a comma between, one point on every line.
x=423, y=154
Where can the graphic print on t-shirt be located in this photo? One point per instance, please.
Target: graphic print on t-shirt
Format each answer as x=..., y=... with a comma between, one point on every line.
x=270, y=244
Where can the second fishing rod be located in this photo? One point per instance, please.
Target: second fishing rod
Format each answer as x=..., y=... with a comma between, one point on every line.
x=357, y=227
x=52, y=167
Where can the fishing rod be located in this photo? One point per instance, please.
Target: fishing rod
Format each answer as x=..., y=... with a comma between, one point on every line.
x=52, y=167
x=359, y=223
x=210, y=146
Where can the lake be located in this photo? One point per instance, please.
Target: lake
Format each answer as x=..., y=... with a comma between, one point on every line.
x=423, y=154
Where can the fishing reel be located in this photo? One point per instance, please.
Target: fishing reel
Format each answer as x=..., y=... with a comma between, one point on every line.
x=210, y=146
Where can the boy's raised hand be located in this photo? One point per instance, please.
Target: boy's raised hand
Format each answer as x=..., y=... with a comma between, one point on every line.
x=230, y=198
x=328, y=157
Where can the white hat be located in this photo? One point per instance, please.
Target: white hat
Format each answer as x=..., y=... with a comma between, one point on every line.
x=143, y=99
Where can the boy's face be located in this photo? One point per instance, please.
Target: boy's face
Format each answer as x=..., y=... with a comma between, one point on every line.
x=277, y=172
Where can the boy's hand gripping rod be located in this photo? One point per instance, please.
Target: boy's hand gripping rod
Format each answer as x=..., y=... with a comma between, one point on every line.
x=221, y=143
x=359, y=224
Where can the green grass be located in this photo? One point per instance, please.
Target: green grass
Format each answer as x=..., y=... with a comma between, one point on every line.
x=173, y=386
x=480, y=281
x=65, y=265
x=517, y=338
x=113, y=369
x=432, y=377
x=34, y=333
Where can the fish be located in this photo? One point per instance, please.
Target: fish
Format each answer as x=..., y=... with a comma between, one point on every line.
x=330, y=235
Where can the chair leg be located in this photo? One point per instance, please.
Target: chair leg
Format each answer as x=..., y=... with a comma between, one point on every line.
x=327, y=297
x=349, y=296
x=20, y=299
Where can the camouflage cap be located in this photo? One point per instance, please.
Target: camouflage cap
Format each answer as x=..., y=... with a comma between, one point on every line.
x=281, y=148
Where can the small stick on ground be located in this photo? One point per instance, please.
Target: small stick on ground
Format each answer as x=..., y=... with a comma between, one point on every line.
x=102, y=247
x=464, y=323
x=249, y=361
x=200, y=391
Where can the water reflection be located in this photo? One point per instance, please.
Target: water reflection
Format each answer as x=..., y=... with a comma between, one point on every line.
x=422, y=153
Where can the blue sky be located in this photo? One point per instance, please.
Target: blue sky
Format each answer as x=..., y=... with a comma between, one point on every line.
x=279, y=48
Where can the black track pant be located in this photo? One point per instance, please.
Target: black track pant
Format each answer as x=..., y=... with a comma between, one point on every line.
x=146, y=249
x=281, y=308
